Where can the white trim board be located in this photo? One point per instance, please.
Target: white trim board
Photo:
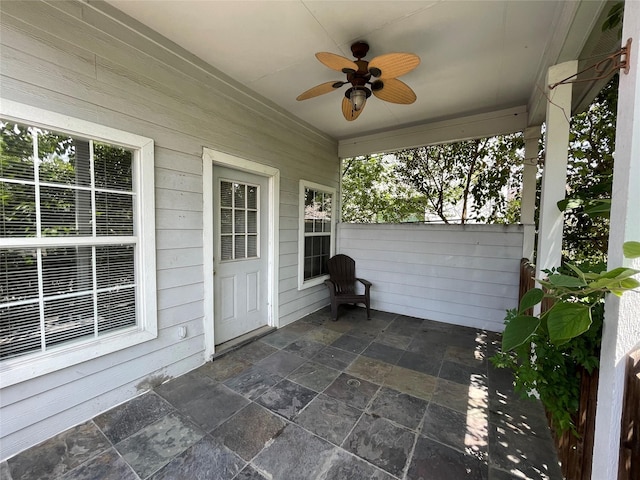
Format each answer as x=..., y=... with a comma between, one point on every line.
x=209, y=158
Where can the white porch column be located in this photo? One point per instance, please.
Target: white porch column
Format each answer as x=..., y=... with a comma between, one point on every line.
x=554, y=173
x=622, y=315
x=528, y=202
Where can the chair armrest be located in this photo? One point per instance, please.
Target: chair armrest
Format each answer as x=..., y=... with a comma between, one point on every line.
x=364, y=282
x=330, y=284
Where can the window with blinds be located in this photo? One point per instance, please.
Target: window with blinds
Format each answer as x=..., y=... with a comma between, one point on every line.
x=317, y=230
x=69, y=241
x=239, y=215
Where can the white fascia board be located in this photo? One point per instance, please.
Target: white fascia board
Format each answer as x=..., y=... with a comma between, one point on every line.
x=482, y=125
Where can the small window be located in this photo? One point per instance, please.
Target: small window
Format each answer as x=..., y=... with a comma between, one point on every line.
x=74, y=241
x=317, y=227
x=239, y=214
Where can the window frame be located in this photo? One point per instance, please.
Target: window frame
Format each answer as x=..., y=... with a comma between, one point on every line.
x=304, y=184
x=18, y=369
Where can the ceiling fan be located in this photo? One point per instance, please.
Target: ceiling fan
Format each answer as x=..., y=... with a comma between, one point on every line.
x=384, y=69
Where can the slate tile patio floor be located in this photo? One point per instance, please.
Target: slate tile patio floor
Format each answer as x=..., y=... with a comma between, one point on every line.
x=391, y=398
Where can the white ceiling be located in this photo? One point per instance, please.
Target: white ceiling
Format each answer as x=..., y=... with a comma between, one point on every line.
x=476, y=56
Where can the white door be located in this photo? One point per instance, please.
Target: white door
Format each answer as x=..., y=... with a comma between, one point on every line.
x=240, y=252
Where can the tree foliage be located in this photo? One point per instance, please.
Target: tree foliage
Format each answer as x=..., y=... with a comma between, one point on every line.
x=589, y=179
x=372, y=193
x=474, y=180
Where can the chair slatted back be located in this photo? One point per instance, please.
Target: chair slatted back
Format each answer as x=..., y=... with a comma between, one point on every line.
x=342, y=271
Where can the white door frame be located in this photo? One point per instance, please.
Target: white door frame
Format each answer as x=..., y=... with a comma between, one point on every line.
x=209, y=158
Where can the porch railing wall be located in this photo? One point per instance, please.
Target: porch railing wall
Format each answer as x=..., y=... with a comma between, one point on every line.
x=461, y=274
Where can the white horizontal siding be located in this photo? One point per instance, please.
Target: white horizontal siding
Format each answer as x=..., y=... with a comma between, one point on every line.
x=462, y=274
x=73, y=58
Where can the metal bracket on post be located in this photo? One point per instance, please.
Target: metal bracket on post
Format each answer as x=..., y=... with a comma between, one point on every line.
x=616, y=61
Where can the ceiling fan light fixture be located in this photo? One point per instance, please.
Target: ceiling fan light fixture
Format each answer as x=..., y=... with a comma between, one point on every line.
x=358, y=97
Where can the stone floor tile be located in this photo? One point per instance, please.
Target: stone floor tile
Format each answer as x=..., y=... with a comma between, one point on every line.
x=280, y=338
x=383, y=352
x=334, y=358
x=280, y=363
x=420, y=363
x=382, y=443
x=206, y=459
x=107, y=466
x=225, y=367
x=522, y=454
x=352, y=314
x=294, y=454
x=352, y=344
x=329, y=418
x=371, y=329
x=522, y=415
x=253, y=382
x=304, y=348
x=474, y=424
x=433, y=461
x=126, y=419
x=393, y=340
x=398, y=407
x=369, y=369
x=155, y=445
x=463, y=374
x=404, y=325
x=323, y=335
x=287, y=398
x=60, y=454
x=473, y=357
x=314, y=376
x=253, y=352
x=250, y=473
x=247, y=432
x=319, y=317
x=345, y=466
x=497, y=474
x=210, y=410
x=341, y=326
x=414, y=383
x=299, y=328
x=351, y=390
x=423, y=343
x=462, y=398
x=454, y=336
x=466, y=433
x=5, y=474
x=186, y=387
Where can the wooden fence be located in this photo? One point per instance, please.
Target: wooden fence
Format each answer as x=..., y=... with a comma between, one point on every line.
x=575, y=452
x=629, y=464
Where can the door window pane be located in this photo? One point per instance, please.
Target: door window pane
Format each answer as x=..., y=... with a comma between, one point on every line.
x=239, y=220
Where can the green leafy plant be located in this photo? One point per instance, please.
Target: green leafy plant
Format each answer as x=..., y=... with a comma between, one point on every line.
x=546, y=352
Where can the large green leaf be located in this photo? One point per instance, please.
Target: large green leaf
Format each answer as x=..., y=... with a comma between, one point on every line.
x=567, y=320
x=518, y=331
x=631, y=249
x=560, y=280
x=613, y=277
x=629, y=283
x=531, y=298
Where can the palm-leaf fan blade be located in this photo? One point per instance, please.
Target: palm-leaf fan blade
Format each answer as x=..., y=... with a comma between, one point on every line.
x=336, y=62
x=319, y=90
x=394, y=91
x=347, y=110
x=392, y=65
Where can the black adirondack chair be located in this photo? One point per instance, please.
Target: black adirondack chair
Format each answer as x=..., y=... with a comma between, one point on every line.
x=342, y=284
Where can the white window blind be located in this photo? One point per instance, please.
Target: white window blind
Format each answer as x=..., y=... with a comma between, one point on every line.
x=239, y=215
x=74, y=242
x=317, y=232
